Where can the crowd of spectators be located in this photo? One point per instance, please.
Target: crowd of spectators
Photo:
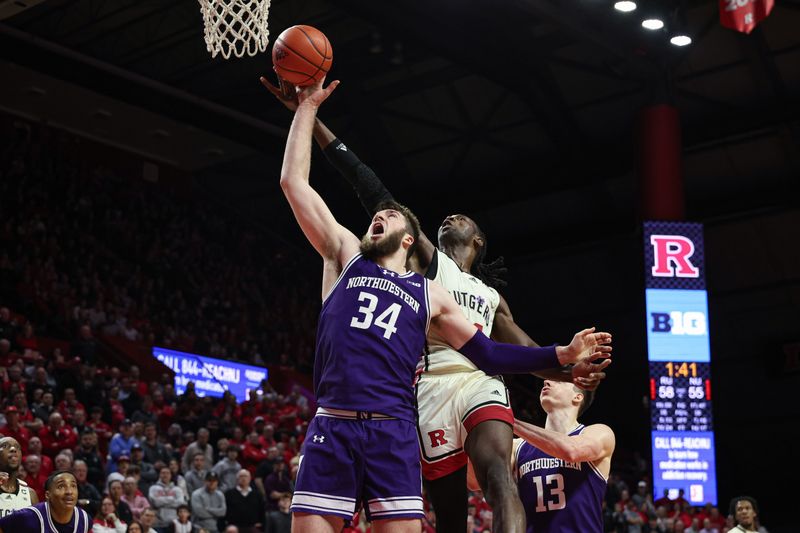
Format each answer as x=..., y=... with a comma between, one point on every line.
x=83, y=243
x=146, y=456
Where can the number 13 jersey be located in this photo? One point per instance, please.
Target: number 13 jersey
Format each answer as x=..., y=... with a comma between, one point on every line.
x=558, y=495
x=371, y=333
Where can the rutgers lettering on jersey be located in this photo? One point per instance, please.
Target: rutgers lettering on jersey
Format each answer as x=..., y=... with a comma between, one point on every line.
x=371, y=334
x=477, y=301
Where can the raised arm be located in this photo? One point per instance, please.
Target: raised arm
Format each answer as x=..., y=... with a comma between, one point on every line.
x=595, y=443
x=586, y=375
x=370, y=189
x=500, y=358
x=326, y=235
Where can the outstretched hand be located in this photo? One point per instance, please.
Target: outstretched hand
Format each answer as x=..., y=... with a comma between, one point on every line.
x=586, y=346
x=312, y=95
x=587, y=375
x=286, y=93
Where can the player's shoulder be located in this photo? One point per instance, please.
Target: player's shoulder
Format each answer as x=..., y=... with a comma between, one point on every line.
x=22, y=482
x=598, y=428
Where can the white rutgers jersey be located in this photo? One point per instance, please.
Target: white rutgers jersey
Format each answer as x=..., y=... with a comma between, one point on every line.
x=10, y=502
x=478, y=302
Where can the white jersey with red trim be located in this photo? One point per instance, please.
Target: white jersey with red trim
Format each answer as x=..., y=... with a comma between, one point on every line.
x=477, y=301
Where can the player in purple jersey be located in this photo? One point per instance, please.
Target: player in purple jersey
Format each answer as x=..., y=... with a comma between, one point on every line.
x=362, y=448
x=461, y=418
x=562, y=469
x=58, y=514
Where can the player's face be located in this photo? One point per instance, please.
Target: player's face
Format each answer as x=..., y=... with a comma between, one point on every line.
x=385, y=235
x=10, y=454
x=385, y=223
x=456, y=229
x=557, y=395
x=745, y=514
x=63, y=492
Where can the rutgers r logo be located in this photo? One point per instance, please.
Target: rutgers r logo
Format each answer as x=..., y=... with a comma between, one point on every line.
x=437, y=438
x=671, y=255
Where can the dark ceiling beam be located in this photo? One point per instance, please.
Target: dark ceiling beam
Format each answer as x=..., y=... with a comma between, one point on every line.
x=59, y=62
x=573, y=20
x=460, y=42
x=97, y=18
x=128, y=26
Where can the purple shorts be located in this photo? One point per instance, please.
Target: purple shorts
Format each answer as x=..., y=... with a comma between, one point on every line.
x=352, y=461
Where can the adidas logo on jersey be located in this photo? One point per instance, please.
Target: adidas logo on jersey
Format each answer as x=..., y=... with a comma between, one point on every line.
x=342, y=147
x=496, y=393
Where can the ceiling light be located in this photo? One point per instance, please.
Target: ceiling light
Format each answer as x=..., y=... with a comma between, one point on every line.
x=653, y=24
x=681, y=40
x=625, y=7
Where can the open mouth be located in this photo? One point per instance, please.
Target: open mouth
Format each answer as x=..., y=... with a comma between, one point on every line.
x=377, y=229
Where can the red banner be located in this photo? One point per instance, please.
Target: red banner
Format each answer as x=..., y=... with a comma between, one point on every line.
x=744, y=15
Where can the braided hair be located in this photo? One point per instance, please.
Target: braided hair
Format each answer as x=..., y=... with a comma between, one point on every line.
x=492, y=274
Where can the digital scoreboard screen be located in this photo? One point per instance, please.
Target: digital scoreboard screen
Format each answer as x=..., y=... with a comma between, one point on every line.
x=679, y=357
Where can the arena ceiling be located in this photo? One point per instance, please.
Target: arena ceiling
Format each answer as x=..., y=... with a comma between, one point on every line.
x=519, y=112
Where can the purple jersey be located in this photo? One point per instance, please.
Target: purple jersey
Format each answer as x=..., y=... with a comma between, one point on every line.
x=371, y=334
x=559, y=495
x=37, y=519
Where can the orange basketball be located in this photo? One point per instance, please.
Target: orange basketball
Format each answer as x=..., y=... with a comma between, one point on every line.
x=302, y=55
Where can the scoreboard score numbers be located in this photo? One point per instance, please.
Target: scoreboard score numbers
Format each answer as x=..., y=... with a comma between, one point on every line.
x=679, y=357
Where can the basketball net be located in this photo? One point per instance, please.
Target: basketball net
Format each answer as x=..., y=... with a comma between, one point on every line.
x=235, y=27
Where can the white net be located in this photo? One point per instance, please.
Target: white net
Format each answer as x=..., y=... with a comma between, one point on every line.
x=235, y=27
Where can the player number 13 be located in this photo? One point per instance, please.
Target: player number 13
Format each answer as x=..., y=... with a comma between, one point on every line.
x=385, y=320
x=555, y=483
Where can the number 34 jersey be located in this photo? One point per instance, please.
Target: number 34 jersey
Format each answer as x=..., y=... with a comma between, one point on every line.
x=558, y=495
x=371, y=333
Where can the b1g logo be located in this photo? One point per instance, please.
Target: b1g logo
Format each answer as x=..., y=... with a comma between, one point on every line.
x=671, y=255
x=680, y=323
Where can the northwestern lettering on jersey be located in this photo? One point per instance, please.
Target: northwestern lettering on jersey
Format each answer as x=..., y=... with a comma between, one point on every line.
x=475, y=302
x=370, y=336
x=545, y=463
x=383, y=284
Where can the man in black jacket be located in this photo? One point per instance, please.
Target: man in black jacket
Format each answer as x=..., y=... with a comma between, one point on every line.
x=244, y=505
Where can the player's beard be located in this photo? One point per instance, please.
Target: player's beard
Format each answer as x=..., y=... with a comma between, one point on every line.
x=374, y=250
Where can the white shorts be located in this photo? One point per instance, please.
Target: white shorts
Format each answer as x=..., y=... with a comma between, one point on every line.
x=449, y=406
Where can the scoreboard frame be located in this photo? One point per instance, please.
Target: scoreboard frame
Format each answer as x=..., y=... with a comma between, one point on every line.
x=679, y=355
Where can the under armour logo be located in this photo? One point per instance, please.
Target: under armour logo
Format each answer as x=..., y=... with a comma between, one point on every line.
x=342, y=147
x=388, y=273
x=319, y=439
x=496, y=393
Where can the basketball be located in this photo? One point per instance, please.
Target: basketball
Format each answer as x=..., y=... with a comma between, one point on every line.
x=302, y=55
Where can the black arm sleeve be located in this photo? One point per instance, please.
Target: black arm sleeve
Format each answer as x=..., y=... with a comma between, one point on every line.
x=369, y=188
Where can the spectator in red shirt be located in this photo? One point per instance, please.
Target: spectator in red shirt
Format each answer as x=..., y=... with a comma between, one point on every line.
x=163, y=411
x=139, y=385
x=14, y=429
x=69, y=405
x=26, y=339
x=12, y=376
x=117, y=410
x=57, y=435
x=35, y=448
x=253, y=453
x=103, y=430
x=34, y=477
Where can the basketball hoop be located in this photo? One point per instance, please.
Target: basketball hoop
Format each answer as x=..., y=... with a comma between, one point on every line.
x=235, y=27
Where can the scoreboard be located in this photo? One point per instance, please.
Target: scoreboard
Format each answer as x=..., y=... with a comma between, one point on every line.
x=682, y=432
